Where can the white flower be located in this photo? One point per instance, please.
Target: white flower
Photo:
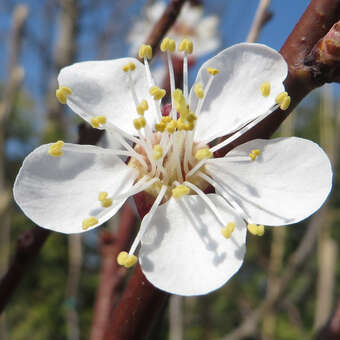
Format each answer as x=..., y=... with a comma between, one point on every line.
x=190, y=242
x=191, y=23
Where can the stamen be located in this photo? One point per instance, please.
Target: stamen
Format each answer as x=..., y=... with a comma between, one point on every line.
x=89, y=222
x=126, y=260
x=254, y=153
x=145, y=51
x=255, y=229
x=265, y=89
x=147, y=219
x=213, y=71
x=157, y=92
x=105, y=201
x=157, y=152
x=203, y=153
x=180, y=191
x=186, y=46
x=139, y=123
x=55, y=149
x=199, y=91
x=142, y=107
x=228, y=229
x=97, y=121
x=284, y=100
x=62, y=93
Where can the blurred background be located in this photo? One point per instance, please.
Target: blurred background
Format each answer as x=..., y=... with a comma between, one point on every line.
x=290, y=280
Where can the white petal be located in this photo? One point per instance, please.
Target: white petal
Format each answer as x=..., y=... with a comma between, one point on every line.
x=234, y=97
x=289, y=181
x=58, y=193
x=183, y=251
x=102, y=88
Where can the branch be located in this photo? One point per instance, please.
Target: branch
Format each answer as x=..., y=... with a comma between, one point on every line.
x=111, y=274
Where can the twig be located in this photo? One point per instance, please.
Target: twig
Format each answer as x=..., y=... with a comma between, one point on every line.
x=111, y=274
x=262, y=16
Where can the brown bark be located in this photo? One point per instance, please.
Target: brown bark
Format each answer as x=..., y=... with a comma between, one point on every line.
x=111, y=274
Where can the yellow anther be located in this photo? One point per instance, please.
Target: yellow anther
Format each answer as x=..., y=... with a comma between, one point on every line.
x=180, y=191
x=228, y=229
x=62, y=93
x=254, y=153
x=191, y=117
x=129, y=67
x=96, y=121
x=285, y=103
x=280, y=97
x=142, y=106
x=213, y=71
x=265, y=89
x=166, y=119
x=145, y=51
x=203, y=154
x=168, y=44
x=102, y=195
x=160, y=127
x=180, y=124
x=199, y=91
x=130, y=261
x=186, y=45
x=106, y=202
x=189, y=126
x=180, y=103
x=122, y=257
x=171, y=127
x=55, y=149
x=139, y=123
x=255, y=229
x=157, y=92
x=89, y=222
x=157, y=152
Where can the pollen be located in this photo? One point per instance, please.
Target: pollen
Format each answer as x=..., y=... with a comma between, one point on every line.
x=96, y=121
x=228, y=229
x=157, y=152
x=157, y=93
x=186, y=45
x=280, y=97
x=180, y=191
x=62, y=93
x=203, y=154
x=199, y=91
x=142, y=107
x=105, y=201
x=126, y=260
x=168, y=45
x=145, y=51
x=89, y=222
x=160, y=126
x=213, y=71
x=255, y=229
x=171, y=126
x=265, y=89
x=139, y=122
x=55, y=149
x=129, y=67
x=285, y=103
x=254, y=153
x=180, y=103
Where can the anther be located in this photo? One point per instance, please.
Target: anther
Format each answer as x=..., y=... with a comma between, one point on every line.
x=89, y=222
x=160, y=126
x=145, y=51
x=171, y=126
x=129, y=67
x=62, y=93
x=228, y=229
x=168, y=45
x=157, y=152
x=180, y=191
x=199, y=91
x=254, y=153
x=126, y=260
x=99, y=120
x=213, y=71
x=203, y=154
x=55, y=149
x=255, y=229
x=186, y=45
x=280, y=97
x=180, y=103
x=285, y=103
x=139, y=123
x=142, y=107
x=265, y=89
x=157, y=92
x=105, y=201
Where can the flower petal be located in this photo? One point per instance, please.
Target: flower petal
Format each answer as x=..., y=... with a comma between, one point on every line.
x=102, y=88
x=58, y=193
x=234, y=97
x=287, y=182
x=183, y=251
